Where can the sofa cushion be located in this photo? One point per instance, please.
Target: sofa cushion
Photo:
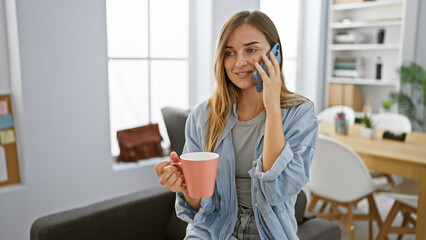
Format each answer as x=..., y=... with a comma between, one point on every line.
x=135, y=216
x=299, y=207
x=176, y=228
x=175, y=119
x=319, y=229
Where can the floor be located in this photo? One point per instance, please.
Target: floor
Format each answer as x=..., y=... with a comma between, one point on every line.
x=384, y=204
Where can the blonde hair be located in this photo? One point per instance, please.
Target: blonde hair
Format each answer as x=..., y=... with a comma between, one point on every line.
x=226, y=93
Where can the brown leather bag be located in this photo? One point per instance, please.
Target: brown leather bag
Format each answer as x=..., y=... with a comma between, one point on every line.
x=139, y=143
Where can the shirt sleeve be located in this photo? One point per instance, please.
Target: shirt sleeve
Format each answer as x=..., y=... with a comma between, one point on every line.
x=193, y=143
x=187, y=214
x=290, y=171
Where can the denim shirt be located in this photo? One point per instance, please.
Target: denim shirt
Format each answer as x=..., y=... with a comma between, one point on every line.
x=274, y=192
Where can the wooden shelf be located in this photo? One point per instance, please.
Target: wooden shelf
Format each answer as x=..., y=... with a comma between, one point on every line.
x=374, y=46
x=364, y=24
x=350, y=6
x=361, y=81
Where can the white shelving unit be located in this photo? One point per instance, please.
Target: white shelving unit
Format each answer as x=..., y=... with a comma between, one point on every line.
x=398, y=18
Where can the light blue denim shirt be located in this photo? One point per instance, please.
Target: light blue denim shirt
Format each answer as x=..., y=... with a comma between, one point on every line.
x=273, y=192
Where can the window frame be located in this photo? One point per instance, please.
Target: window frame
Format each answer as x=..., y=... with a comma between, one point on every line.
x=149, y=60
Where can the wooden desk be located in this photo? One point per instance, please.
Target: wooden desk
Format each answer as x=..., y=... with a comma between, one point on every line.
x=406, y=159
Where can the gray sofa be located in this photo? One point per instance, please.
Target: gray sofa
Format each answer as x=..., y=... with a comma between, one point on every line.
x=150, y=215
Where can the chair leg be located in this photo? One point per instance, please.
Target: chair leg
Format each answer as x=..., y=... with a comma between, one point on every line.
x=404, y=223
x=375, y=214
x=312, y=203
x=388, y=222
x=390, y=179
x=334, y=209
x=323, y=206
x=350, y=222
x=370, y=230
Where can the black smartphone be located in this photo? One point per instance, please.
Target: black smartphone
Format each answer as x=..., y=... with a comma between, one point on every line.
x=256, y=75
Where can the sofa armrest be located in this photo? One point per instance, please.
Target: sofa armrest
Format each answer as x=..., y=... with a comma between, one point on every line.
x=141, y=215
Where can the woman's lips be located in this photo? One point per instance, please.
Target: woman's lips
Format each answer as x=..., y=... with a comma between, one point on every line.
x=243, y=74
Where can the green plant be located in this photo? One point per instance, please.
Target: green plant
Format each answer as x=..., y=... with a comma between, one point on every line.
x=413, y=77
x=366, y=121
x=386, y=104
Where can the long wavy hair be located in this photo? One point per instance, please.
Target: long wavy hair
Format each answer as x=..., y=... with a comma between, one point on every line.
x=225, y=93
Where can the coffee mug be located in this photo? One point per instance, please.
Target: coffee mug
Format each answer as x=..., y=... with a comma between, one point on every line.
x=199, y=170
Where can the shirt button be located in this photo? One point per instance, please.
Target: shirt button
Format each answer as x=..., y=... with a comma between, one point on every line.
x=254, y=162
x=255, y=204
x=260, y=225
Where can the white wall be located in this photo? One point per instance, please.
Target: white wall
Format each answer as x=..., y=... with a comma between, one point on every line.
x=420, y=53
x=4, y=66
x=201, y=52
x=310, y=82
x=61, y=101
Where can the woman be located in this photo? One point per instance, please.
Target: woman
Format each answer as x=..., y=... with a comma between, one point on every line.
x=266, y=141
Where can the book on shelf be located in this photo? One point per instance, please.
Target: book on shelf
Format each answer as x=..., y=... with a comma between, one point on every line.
x=348, y=66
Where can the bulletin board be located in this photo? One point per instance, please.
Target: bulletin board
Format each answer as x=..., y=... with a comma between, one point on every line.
x=9, y=162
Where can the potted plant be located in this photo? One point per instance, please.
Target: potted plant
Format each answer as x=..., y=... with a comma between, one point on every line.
x=386, y=104
x=413, y=81
x=367, y=129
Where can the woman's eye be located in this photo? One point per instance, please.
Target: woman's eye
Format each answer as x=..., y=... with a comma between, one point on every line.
x=229, y=54
x=252, y=50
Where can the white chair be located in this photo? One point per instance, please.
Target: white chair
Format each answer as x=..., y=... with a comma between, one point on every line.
x=339, y=177
x=406, y=197
x=394, y=122
x=329, y=114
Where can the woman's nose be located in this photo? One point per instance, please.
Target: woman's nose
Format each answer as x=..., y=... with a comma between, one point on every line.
x=241, y=60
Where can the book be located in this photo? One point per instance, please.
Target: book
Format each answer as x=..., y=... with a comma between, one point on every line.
x=348, y=66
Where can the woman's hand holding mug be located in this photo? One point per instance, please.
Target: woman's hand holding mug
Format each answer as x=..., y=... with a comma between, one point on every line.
x=171, y=175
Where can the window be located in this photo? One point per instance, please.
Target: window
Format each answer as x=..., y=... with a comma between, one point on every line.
x=148, y=61
x=285, y=15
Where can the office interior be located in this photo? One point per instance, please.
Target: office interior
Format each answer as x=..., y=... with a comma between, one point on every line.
x=57, y=74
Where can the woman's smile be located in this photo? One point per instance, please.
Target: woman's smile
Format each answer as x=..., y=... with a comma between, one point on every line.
x=244, y=74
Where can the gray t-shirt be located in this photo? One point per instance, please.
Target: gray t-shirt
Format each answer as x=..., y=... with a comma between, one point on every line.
x=244, y=138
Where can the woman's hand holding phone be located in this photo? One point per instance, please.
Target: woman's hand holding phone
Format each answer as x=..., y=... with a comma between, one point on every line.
x=271, y=83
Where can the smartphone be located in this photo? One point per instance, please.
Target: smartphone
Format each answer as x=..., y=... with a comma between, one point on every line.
x=256, y=75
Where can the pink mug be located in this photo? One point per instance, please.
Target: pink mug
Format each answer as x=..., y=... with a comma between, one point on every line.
x=199, y=170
